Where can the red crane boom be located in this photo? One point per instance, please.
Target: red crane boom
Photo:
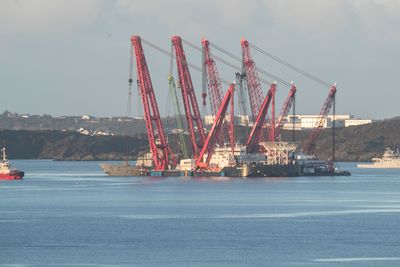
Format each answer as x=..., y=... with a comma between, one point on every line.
x=285, y=111
x=258, y=125
x=213, y=80
x=209, y=145
x=253, y=81
x=309, y=145
x=161, y=152
x=189, y=98
x=214, y=86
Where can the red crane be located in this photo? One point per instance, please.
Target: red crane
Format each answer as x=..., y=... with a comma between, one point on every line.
x=272, y=120
x=285, y=111
x=161, y=152
x=209, y=145
x=309, y=145
x=189, y=98
x=258, y=124
x=213, y=80
x=253, y=81
x=214, y=86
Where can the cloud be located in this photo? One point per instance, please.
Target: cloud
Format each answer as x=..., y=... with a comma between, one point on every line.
x=193, y=16
x=374, y=17
x=380, y=18
x=347, y=39
x=26, y=16
x=309, y=15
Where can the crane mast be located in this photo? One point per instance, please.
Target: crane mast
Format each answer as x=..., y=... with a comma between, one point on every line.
x=213, y=80
x=160, y=150
x=285, y=111
x=189, y=98
x=209, y=145
x=258, y=125
x=309, y=145
x=178, y=115
x=272, y=120
x=215, y=88
x=252, y=79
x=203, y=83
x=241, y=98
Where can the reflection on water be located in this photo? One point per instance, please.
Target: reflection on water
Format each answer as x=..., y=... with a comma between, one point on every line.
x=71, y=213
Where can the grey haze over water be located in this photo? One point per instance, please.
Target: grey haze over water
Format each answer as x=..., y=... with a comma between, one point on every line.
x=71, y=57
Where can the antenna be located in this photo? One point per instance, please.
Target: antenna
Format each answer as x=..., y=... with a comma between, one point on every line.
x=4, y=153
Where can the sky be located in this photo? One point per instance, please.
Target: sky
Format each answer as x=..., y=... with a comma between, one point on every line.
x=71, y=57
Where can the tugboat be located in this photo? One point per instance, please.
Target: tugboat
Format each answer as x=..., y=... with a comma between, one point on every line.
x=6, y=172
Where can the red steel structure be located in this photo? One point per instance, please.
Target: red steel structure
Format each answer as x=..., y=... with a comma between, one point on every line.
x=253, y=81
x=161, y=152
x=214, y=87
x=209, y=145
x=309, y=145
x=285, y=111
x=272, y=120
x=258, y=124
x=232, y=124
x=189, y=99
x=213, y=80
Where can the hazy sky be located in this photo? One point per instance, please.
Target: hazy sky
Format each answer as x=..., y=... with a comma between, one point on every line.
x=66, y=57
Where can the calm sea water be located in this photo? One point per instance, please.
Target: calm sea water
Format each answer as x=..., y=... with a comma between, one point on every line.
x=71, y=214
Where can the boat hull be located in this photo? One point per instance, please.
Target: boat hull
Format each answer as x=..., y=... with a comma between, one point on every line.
x=123, y=170
x=378, y=166
x=257, y=170
x=12, y=175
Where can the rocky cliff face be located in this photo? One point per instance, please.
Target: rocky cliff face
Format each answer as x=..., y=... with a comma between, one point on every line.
x=361, y=143
x=358, y=143
x=70, y=145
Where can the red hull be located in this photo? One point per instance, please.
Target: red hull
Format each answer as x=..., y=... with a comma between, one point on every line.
x=13, y=175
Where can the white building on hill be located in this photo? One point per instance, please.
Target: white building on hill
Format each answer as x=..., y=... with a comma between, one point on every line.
x=239, y=120
x=300, y=121
x=309, y=121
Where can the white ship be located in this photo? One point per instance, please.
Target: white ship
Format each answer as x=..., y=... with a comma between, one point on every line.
x=389, y=160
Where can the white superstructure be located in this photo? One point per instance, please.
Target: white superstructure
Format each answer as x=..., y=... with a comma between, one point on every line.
x=390, y=160
x=145, y=160
x=223, y=157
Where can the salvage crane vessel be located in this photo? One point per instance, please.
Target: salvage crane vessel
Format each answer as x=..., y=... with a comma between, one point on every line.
x=261, y=156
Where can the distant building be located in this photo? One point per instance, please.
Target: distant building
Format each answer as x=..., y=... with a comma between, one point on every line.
x=93, y=132
x=83, y=131
x=176, y=131
x=244, y=120
x=209, y=119
x=309, y=121
x=355, y=122
x=238, y=120
x=292, y=122
x=85, y=117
